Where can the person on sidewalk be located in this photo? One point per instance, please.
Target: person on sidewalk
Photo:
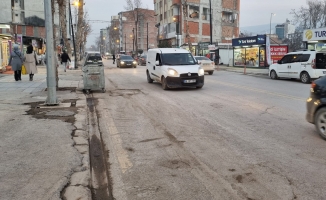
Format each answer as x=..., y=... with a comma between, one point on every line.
x=113, y=58
x=64, y=59
x=16, y=62
x=30, y=62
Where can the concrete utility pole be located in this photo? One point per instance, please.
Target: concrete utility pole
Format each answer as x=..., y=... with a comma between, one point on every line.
x=51, y=78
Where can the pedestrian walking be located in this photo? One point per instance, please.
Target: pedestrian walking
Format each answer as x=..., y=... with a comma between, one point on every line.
x=30, y=62
x=16, y=62
x=64, y=59
x=113, y=57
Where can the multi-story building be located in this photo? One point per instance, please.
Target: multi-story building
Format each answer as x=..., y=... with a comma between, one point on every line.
x=103, y=37
x=113, y=35
x=283, y=30
x=137, y=31
x=175, y=19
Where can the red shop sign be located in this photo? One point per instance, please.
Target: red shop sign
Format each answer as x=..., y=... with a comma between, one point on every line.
x=277, y=52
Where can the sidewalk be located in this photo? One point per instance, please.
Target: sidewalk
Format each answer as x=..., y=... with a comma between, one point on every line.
x=250, y=71
x=44, y=150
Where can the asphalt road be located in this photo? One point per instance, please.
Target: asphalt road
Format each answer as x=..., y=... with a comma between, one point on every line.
x=239, y=137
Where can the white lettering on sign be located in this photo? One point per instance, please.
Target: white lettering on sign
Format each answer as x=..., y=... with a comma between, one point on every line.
x=282, y=49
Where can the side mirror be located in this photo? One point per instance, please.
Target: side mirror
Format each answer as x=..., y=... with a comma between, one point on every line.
x=279, y=62
x=157, y=63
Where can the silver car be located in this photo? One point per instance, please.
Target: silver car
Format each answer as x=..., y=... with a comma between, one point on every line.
x=206, y=64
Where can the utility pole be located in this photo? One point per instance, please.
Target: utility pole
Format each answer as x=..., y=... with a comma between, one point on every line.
x=133, y=41
x=72, y=34
x=51, y=71
x=125, y=43
x=147, y=37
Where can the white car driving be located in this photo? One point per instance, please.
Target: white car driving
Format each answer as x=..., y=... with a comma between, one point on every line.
x=206, y=64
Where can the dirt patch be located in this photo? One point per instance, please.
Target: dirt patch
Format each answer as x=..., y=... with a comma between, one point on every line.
x=124, y=92
x=65, y=114
x=175, y=164
x=71, y=89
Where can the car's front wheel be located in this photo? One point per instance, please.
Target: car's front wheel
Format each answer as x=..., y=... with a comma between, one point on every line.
x=210, y=73
x=273, y=74
x=149, y=80
x=164, y=84
x=320, y=122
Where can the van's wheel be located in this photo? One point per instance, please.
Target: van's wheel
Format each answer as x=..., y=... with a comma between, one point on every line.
x=210, y=73
x=149, y=80
x=164, y=85
x=320, y=122
x=199, y=87
x=273, y=75
x=304, y=77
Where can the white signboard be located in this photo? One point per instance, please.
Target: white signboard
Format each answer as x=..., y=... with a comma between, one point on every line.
x=211, y=47
x=314, y=34
x=268, y=50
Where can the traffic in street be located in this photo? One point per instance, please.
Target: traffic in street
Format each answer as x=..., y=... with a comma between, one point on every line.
x=238, y=137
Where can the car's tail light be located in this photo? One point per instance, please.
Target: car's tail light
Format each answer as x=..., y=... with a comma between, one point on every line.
x=313, y=85
x=313, y=64
x=212, y=63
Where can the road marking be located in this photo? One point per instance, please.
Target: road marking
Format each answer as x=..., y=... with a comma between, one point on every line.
x=121, y=153
x=261, y=91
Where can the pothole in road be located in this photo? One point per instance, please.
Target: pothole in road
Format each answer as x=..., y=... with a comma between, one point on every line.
x=124, y=92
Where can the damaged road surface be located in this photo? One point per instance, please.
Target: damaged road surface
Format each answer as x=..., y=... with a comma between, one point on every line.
x=237, y=138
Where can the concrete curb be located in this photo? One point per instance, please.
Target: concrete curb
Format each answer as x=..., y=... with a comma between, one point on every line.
x=79, y=184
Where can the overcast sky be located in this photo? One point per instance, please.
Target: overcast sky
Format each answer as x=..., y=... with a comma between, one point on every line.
x=252, y=12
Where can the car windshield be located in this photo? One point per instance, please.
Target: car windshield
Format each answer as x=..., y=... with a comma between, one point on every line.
x=126, y=58
x=202, y=58
x=177, y=59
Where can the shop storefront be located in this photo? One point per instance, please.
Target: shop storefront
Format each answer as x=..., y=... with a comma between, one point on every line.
x=315, y=39
x=5, y=46
x=251, y=51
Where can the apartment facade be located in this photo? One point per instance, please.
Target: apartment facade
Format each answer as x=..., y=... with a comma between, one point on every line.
x=137, y=30
x=173, y=18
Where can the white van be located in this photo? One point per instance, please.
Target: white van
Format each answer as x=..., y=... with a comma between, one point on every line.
x=173, y=68
x=303, y=65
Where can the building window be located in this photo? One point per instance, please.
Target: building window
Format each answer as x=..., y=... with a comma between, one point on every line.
x=194, y=12
x=161, y=17
x=165, y=14
x=228, y=17
x=205, y=15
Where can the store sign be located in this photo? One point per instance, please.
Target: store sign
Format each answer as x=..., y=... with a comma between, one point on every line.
x=277, y=52
x=203, y=45
x=261, y=39
x=244, y=41
x=314, y=34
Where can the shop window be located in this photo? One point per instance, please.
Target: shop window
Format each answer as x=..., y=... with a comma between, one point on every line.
x=239, y=57
x=194, y=12
x=252, y=55
x=262, y=56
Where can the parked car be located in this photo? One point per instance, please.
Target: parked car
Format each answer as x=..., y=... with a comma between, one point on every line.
x=206, y=64
x=303, y=65
x=316, y=106
x=173, y=68
x=93, y=58
x=142, y=60
x=126, y=61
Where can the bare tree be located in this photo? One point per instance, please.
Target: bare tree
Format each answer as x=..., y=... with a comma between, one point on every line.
x=87, y=29
x=311, y=17
x=54, y=44
x=185, y=15
x=98, y=42
x=63, y=22
x=295, y=40
x=79, y=33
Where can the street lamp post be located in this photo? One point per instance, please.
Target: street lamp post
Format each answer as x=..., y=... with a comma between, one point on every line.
x=147, y=37
x=270, y=24
x=133, y=41
x=73, y=36
x=210, y=26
